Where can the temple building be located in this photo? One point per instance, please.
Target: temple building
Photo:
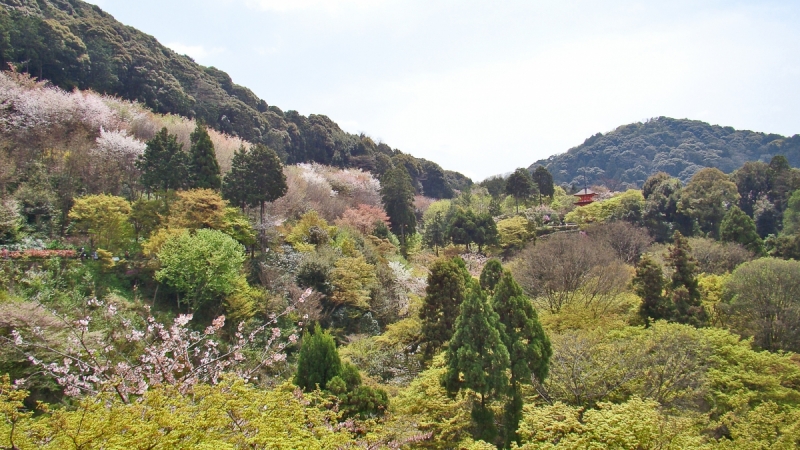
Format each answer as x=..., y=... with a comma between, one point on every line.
x=585, y=196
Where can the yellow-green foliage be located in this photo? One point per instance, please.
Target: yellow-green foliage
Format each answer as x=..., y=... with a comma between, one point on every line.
x=440, y=206
x=309, y=228
x=600, y=211
x=711, y=289
x=352, y=278
x=104, y=218
x=514, y=232
x=634, y=424
x=230, y=415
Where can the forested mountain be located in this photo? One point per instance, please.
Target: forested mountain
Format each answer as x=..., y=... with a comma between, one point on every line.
x=679, y=147
x=75, y=44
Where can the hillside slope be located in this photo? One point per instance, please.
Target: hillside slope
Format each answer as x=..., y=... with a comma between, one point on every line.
x=679, y=147
x=75, y=44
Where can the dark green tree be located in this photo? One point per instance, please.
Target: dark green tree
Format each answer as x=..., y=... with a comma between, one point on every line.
x=235, y=186
x=528, y=346
x=544, y=181
x=490, y=275
x=496, y=186
x=485, y=232
x=435, y=232
x=648, y=284
x=163, y=163
x=462, y=227
x=318, y=361
x=738, y=227
x=203, y=167
x=264, y=176
x=397, y=194
x=444, y=294
x=478, y=360
x=684, y=287
x=520, y=185
x=706, y=198
x=753, y=180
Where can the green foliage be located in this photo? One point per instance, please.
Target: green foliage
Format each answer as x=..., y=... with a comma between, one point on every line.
x=318, y=361
x=477, y=359
x=203, y=168
x=684, y=289
x=791, y=216
x=105, y=219
x=490, y=275
x=445, y=292
x=310, y=231
x=544, y=181
x=706, y=199
x=627, y=206
x=738, y=227
x=520, y=185
x=352, y=278
x=467, y=228
x=203, y=265
x=397, y=195
x=163, y=163
x=514, y=233
x=435, y=232
x=649, y=285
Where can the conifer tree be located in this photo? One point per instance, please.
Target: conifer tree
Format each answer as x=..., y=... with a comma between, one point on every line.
x=163, y=163
x=235, y=186
x=490, y=275
x=444, y=294
x=544, y=180
x=528, y=346
x=203, y=167
x=684, y=286
x=435, y=232
x=478, y=360
x=520, y=185
x=649, y=285
x=264, y=177
x=738, y=227
x=397, y=194
x=318, y=361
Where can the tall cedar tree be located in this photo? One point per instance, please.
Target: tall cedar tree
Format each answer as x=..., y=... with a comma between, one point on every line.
x=649, y=285
x=235, y=185
x=397, y=194
x=478, y=360
x=738, y=227
x=318, y=361
x=264, y=177
x=444, y=294
x=490, y=275
x=527, y=344
x=163, y=163
x=520, y=186
x=435, y=232
x=685, y=291
x=204, y=170
x=544, y=180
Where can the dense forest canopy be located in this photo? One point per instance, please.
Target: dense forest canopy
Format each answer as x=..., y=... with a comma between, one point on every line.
x=629, y=154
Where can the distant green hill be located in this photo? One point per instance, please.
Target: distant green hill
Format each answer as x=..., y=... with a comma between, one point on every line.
x=75, y=44
x=679, y=147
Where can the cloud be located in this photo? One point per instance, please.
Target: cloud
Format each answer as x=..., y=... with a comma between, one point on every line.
x=197, y=52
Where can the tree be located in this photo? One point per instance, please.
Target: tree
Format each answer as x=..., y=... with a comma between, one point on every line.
x=462, y=227
x=544, y=181
x=738, y=227
x=485, y=231
x=397, y=195
x=435, y=230
x=520, y=186
x=105, y=219
x=684, y=288
x=649, y=285
x=163, y=163
x=318, y=361
x=490, y=275
x=763, y=298
x=204, y=265
x=753, y=180
x=203, y=167
x=444, y=294
x=264, y=177
x=528, y=346
x=477, y=359
x=235, y=186
x=706, y=199
x=660, y=215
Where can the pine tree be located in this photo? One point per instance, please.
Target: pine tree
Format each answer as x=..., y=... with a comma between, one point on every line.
x=235, y=187
x=163, y=163
x=397, y=194
x=649, y=285
x=684, y=287
x=318, y=361
x=203, y=167
x=738, y=227
x=490, y=275
x=478, y=360
x=528, y=346
x=444, y=294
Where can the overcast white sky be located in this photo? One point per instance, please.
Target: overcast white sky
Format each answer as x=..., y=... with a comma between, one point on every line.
x=485, y=87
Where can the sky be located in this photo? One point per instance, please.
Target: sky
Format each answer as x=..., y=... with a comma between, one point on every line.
x=486, y=87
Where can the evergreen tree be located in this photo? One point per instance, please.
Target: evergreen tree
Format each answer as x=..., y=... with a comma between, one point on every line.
x=520, y=186
x=462, y=227
x=397, y=194
x=527, y=344
x=544, y=181
x=485, y=231
x=738, y=227
x=318, y=361
x=204, y=170
x=435, y=232
x=478, y=360
x=264, y=177
x=163, y=163
x=444, y=294
x=490, y=275
x=235, y=186
x=649, y=285
x=684, y=287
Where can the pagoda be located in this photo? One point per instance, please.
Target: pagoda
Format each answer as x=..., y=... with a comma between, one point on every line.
x=585, y=196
